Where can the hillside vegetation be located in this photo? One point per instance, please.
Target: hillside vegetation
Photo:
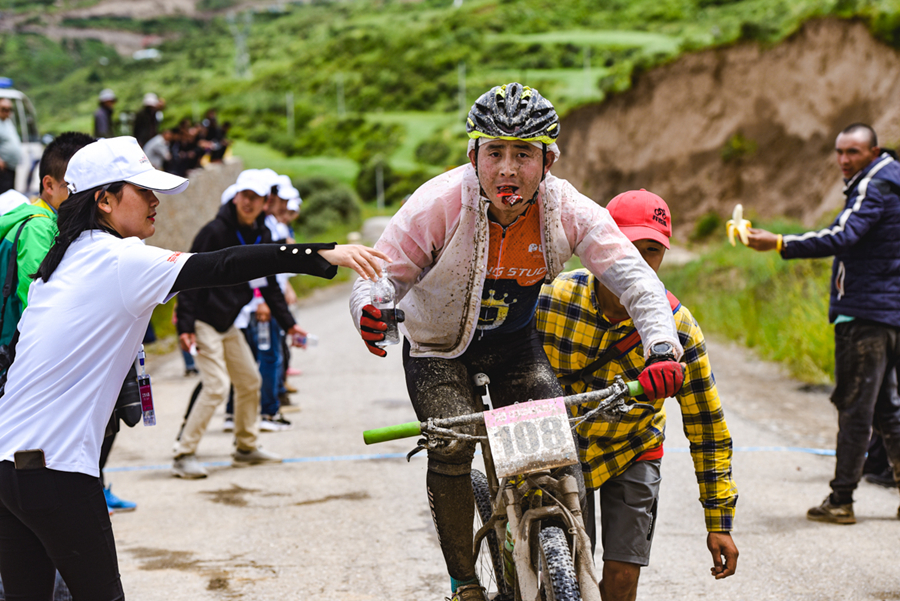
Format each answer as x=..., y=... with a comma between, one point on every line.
x=373, y=78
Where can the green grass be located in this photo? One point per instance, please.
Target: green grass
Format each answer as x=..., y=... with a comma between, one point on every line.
x=607, y=39
x=419, y=125
x=258, y=156
x=777, y=307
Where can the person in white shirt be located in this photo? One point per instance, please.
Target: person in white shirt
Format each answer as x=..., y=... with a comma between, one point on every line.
x=88, y=310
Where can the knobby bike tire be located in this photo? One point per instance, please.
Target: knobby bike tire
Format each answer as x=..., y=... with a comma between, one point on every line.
x=558, y=579
x=489, y=567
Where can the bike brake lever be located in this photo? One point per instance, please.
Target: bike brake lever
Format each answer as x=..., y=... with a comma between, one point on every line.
x=420, y=446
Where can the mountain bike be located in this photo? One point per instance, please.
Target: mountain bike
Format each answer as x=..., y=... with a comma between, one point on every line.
x=529, y=538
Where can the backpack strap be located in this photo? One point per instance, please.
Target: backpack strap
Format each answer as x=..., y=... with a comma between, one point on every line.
x=12, y=269
x=624, y=346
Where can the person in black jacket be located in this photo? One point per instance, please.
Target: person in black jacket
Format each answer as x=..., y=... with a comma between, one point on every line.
x=864, y=308
x=205, y=319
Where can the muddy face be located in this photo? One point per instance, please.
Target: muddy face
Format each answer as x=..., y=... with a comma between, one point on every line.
x=508, y=169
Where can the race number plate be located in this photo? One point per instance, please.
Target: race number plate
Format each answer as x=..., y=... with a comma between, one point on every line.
x=529, y=437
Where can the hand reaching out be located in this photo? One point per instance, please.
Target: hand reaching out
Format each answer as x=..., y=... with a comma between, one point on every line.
x=363, y=260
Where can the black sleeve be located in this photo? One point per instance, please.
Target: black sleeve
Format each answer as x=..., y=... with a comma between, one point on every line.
x=238, y=264
x=277, y=304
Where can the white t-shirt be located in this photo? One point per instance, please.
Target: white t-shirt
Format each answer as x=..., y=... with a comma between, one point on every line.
x=79, y=336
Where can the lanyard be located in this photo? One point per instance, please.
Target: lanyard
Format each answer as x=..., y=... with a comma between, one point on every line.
x=244, y=242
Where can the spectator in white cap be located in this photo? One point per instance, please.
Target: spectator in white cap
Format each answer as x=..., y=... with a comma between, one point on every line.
x=89, y=308
x=103, y=121
x=206, y=318
x=146, y=120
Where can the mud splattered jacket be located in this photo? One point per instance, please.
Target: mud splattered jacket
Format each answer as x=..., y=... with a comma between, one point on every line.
x=865, y=243
x=438, y=242
x=575, y=333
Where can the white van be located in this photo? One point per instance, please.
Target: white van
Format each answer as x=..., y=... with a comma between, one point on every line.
x=25, y=118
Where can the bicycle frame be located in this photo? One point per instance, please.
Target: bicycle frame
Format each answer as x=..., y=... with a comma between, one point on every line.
x=508, y=494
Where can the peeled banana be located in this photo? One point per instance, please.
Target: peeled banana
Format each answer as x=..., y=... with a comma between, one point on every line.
x=738, y=224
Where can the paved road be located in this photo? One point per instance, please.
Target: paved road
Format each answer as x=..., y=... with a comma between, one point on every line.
x=341, y=522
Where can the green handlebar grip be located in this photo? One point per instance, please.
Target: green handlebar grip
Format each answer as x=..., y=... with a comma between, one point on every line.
x=392, y=432
x=634, y=388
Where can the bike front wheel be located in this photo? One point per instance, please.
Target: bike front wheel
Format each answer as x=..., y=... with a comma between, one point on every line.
x=557, y=573
x=489, y=567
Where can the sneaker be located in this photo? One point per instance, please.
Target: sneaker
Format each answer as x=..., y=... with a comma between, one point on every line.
x=293, y=371
x=187, y=467
x=273, y=423
x=228, y=423
x=284, y=399
x=469, y=592
x=115, y=504
x=191, y=371
x=258, y=455
x=885, y=478
x=833, y=514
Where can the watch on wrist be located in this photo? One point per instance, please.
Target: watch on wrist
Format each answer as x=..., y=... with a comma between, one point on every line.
x=661, y=351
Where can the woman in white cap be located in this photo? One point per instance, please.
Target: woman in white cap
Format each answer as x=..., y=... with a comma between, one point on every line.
x=89, y=308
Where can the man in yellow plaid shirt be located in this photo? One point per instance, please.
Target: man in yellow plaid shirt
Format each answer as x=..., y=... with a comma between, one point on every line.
x=589, y=338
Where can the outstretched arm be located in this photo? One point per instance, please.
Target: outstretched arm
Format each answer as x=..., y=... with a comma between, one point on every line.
x=238, y=264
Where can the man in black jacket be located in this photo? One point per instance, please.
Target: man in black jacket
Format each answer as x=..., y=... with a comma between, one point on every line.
x=206, y=320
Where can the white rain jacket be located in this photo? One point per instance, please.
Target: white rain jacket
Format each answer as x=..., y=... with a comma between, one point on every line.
x=438, y=242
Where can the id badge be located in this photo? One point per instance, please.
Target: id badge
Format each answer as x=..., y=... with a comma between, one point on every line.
x=146, y=400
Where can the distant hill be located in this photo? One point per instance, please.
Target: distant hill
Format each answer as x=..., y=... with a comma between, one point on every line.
x=372, y=77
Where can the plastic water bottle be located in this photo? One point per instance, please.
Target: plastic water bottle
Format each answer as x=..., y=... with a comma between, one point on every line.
x=263, y=335
x=383, y=295
x=306, y=341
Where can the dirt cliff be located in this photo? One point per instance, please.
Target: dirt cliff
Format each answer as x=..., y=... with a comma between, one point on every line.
x=746, y=123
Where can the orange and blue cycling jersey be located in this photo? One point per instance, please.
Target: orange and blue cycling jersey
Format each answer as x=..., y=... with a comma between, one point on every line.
x=516, y=271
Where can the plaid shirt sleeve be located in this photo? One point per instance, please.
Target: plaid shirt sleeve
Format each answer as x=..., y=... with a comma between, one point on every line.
x=705, y=428
x=574, y=334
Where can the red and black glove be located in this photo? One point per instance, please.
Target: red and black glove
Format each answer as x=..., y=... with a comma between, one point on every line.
x=662, y=377
x=372, y=328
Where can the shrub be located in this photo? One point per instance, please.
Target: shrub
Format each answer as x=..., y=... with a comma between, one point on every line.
x=366, y=180
x=707, y=226
x=326, y=208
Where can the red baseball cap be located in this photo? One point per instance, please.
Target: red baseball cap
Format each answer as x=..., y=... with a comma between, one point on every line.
x=642, y=215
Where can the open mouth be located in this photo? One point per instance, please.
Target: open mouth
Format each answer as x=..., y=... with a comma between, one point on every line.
x=507, y=194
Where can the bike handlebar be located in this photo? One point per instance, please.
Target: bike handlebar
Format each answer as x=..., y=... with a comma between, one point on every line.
x=410, y=429
x=387, y=433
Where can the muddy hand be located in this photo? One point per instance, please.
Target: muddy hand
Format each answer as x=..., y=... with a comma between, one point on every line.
x=363, y=260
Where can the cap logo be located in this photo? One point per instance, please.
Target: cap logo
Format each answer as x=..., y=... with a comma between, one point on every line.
x=659, y=216
x=143, y=159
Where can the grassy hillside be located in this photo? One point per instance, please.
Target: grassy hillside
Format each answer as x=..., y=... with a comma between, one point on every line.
x=380, y=77
x=777, y=307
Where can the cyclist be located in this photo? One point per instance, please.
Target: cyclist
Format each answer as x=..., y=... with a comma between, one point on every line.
x=469, y=251
x=589, y=339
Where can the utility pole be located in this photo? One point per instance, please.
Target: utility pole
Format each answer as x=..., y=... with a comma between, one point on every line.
x=379, y=185
x=461, y=80
x=587, y=71
x=289, y=101
x=340, y=95
x=240, y=33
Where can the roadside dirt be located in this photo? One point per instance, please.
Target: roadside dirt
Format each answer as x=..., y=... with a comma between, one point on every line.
x=747, y=123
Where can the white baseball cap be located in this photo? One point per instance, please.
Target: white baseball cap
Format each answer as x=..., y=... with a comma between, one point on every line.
x=151, y=99
x=286, y=189
x=255, y=180
x=293, y=204
x=107, y=94
x=118, y=160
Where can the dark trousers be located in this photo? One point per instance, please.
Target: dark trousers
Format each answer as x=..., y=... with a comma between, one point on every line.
x=7, y=179
x=519, y=371
x=52, y=520
x=865, y=395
